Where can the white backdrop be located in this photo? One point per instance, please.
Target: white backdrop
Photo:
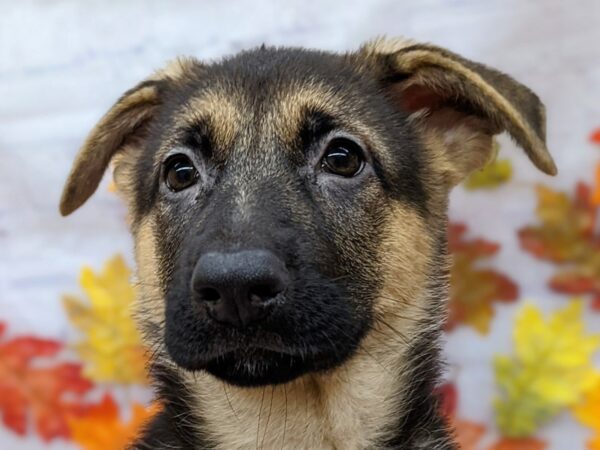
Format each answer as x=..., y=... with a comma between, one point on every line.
x=63, y=63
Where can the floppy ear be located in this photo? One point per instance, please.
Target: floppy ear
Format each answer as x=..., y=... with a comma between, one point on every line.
x=125, y=121
x=459, y=105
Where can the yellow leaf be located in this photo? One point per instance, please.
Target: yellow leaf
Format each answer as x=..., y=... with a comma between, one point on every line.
x=550, y=370
x=492, y=175
x=110, y=346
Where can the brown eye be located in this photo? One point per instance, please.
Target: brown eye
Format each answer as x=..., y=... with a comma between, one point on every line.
x=180, y=173
x=343, y=157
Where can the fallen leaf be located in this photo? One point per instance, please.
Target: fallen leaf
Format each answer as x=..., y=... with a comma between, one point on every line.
x=595, y=136
x=473, y=290
x=519, y=444
x=448, y=399
x=596, y=193
x=468, y=434
x=567, y=236
x=110, y=346
x=101, y=428
x=588, y=414
x=46, y=393
x=550, y=370
x=493, y=175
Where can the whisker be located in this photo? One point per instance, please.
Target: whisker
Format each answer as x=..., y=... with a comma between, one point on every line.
x=259, y=414
x=286, y=414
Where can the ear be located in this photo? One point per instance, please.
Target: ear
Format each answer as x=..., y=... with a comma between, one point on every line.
x=125, y=123
x=459, y=105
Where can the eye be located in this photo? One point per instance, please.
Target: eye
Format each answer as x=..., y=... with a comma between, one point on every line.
x=343, y=157
x=180, y=172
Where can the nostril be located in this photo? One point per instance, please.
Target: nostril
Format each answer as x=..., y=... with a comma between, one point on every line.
x=263, y=293
x=209, y=294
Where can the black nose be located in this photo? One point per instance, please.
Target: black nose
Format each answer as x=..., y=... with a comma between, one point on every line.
x=237, y=287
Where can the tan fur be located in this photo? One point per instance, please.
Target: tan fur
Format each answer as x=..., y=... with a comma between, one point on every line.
x=176, y=69
x=222, y=110
x=384, y=45
x=150, y=305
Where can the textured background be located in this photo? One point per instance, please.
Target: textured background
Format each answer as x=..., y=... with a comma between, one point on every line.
x=63, y=63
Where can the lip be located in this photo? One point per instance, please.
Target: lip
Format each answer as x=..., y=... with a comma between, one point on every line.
x=257, y=367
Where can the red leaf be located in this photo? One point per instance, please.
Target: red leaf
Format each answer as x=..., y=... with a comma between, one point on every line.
x=595, y=136
x=519, y=444
x=473, y=290
x=27, y=388
x=567, y=236
x=448, y=397
x=468, y=434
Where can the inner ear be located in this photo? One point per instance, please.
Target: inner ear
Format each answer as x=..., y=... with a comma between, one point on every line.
x=414, y=98
x=458, y=139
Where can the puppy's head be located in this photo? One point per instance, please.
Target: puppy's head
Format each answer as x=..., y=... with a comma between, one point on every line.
x=286, y=202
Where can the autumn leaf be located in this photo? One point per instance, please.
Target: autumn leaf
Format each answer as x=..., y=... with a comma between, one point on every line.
x=550, y=370
x=110, y=346
x=46, y=393
x=468, y=434
x=473, y=290
x=567, y=236
x=596, y=193
x=101, y=428
x=519, y=444
x=588, y=413
x=595, y=136
x=493, y=175
x=448, y=399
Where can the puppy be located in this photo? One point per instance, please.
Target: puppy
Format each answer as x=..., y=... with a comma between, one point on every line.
x=289, y=215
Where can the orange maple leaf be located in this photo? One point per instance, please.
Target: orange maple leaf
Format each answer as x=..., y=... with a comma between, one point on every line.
x=567, y=236
x=40, y=391
x=473, y=290
x=100, y=427
x=519, y=444
x=588, y=413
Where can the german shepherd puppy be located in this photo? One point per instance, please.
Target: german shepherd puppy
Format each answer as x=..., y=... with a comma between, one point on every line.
x=288, y=208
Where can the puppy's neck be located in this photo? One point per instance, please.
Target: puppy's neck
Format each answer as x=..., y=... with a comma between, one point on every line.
x=351, y=407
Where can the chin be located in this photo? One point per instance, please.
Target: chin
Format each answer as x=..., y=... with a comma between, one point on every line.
x=255, y=367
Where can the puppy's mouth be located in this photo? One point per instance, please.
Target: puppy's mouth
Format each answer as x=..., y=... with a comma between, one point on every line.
x=257, y=367
x=254, y=365
x=251, y=361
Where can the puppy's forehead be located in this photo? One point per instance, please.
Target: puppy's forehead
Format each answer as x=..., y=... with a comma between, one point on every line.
x=269, y=94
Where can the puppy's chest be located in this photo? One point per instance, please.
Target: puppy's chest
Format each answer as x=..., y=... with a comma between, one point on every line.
x=293, y=416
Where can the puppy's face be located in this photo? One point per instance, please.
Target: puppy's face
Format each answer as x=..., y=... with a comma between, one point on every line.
x=280, y=198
